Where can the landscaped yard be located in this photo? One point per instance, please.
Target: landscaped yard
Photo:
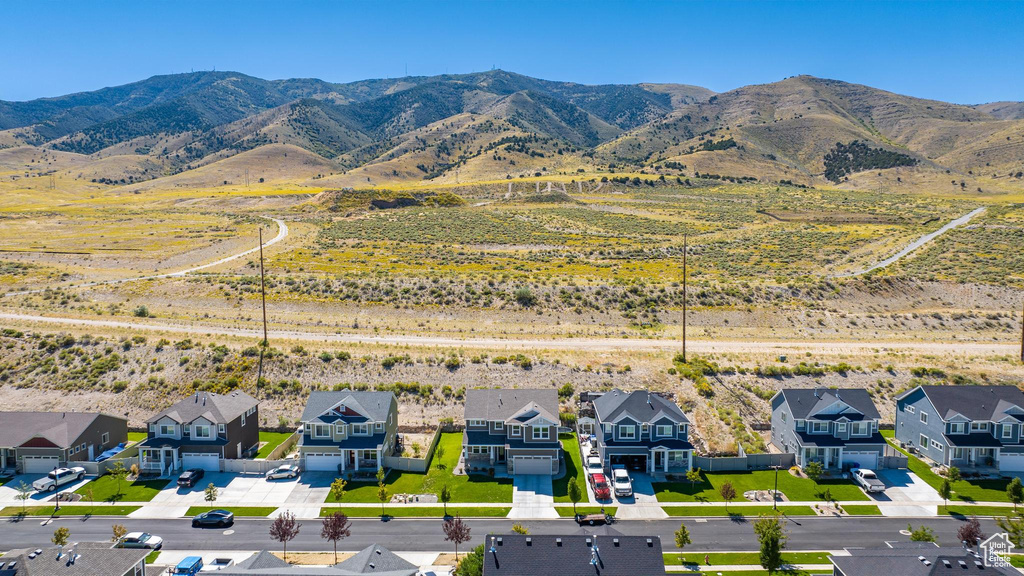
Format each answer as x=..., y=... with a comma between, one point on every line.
x=969, y=511
x=241, y=512
x=70, y=510
x=699, y=511
x=417, y=511
x=574, y=471
x=474, y=488
x=136, y=437
x=743, y=558
x=270, y=441
x=968, y=490
x=862, y=510
x=796, y=489
x=104, y=489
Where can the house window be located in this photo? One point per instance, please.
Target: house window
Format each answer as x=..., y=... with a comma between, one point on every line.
x=627, y=432
x=663, y=430
x=541, y=433
x=936, y=446
x=819, y=426
x=958, y=453
x=1007, y=431
x=515, y=430
x=957, y=428
x=202, y=432
x=105, y=437
x=783, y=415
x=859, y=428
x=924, y=417
x=499, y=426
x=321, y=430
x=221, y=429
x=841, y=426
x=360, y=429
x=979, y=426
x=682, y=428
x=378, y=426
x=167, y=429
x=339, y=429
x=801, y=424
x=646, y=428
x=475, y=423
x=910, y=409
x=924, y=441
x=243, y=419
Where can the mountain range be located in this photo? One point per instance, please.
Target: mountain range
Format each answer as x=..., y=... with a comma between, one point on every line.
x=207, y=128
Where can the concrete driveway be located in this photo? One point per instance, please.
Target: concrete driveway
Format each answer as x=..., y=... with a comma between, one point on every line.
x=905, y=494
x=643, y=504
x=532, y=497
x=236, y=489
x=9, y=491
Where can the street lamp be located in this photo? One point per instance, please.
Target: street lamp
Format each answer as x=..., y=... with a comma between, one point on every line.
x=775, y=494
x=57, y=486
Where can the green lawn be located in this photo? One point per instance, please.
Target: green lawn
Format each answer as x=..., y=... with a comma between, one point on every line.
x=136, y=436
x=797, y=489
x=965, y=490
x=5, y=481
x=104, y=489
x=273, y=440
x=955, y=510
x=566, y=511
x=574, y=471
x=862, y=510
x=418, y=512
x=152, y=557
x=473, y=488
x=70, y=510
x=738, y=511
x=240, y=511
x=1016, y=560
x=748, y=573
x=743, y=558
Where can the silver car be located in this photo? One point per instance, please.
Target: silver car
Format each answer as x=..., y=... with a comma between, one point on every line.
x=141, y=540
x=286, y=471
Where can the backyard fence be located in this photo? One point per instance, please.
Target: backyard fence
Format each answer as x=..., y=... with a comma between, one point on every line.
x=741, y=463
x=245, y=466
x=284, y=448
x=414, y=464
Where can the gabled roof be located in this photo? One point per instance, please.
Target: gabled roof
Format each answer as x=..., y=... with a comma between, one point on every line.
x=91, y=559
x=805, y=403
x=376, y=560
x=371, y=405
x=261, y=560
x=640, y=405
x=217, y=408
x=975, y=402
x=907, y=561
x=60, y=429
x=571, y=555
x=515, y=406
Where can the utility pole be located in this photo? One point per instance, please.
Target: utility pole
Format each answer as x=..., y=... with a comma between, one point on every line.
x=263, y=297
x=1022, y=333
x=684, y=298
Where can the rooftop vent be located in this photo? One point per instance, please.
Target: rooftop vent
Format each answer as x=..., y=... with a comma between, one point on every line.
x=962, y=564
x=377, y=551
x=372, y=565
x=615, y=541
x=947, y=564
x=558, y=541
x=529, y=541
x=650, y=543
x=589, y=541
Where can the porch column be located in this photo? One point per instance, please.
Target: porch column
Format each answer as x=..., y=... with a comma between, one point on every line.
x=689, y=459
x=380, y=460
x=664, y=462
x=650, y=461
x=356, y=452
x=840, y=456
x=344, y=457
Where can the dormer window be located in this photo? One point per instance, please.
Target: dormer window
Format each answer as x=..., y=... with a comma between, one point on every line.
x=167, y=429
x=361, y=429
x=541, y=432
x=515, y=430
x=627, y=432
x=663, y=430
x=840, y=426
x=979, y=426
x=957, y=428
x=321, y=430
x=202, y=432
x=819, y=427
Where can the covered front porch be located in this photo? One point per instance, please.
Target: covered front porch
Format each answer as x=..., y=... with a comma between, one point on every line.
x=484, y=453
x=829, y=457
x=971, y=458
x=162, y=460
x=667, y=460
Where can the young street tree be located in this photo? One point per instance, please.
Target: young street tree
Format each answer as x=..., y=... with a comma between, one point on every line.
x=284, y=529
x=338, y=489
x=970, y=532
x=61, y=536
x=382, y=490
x=1014, y=528
x=119, y=531
x=727, y=492
x=1015, y=491
x=682, y=537
x=772, y=539
x=119, y=472
x=575, y=494
x=336, y=527
x=211, y=493
x=24, y=493
x=456, y=531
x=445, y=496
x=945, y=490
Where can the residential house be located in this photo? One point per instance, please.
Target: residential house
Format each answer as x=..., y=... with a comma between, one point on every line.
x=348, y=430
x=200, y=431
x=83, y=559
x=914, y=559
x=964, y=426
x=373, y=560
x=642, y=430
x=515, y=429
x=572, y=555
x=837, y=428
x=38, y=442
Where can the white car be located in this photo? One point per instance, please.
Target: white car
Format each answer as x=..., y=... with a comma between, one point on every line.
x=621, y=484
x=594, y=466
x=286, y=471
x=868, y=480
x=58, y=478
x=141, y=540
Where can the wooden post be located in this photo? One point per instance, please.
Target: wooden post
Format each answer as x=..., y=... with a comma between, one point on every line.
x=684, y=297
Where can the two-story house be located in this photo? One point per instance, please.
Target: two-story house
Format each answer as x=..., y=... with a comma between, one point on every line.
x=964, y=426
x=834, y=427
x=514, y=428
x=38, y=442
x=348, y=430
x=643, y=431
x=200, y=431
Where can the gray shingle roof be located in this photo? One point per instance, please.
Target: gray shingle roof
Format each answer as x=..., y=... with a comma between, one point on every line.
x=375, y=559
x=61, y=428
x=804, y=402
x=905, y=561
x=508, y=405
x=640, y=405
x=217, y=408
x=375, y=405
x=262, y=560
x=522, y=555
x=974, y=402
x=92, y=559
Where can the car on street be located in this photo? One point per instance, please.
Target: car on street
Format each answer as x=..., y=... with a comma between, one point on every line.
x=867, y=480
x=594, y=519
x=141, y=540
x=189, y=477
x=602, y=491
x=58, y=478
x=594, y=465
x=217, y=518
x=621, y=483
x=285, y=471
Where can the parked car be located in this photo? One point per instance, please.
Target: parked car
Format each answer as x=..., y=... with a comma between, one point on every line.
x=867, y=480
x=214, y=518
x=621, y=482
x=594, y=519
x=602, y=491
x=285, y=471
x=189, y=477
x=594, y=465
x=189, y=566
x=141, y=540
x=58, y=478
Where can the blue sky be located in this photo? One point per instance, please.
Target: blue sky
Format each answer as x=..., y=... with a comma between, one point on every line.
x=968, y=52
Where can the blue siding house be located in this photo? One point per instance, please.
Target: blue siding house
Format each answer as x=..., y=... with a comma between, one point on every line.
x=835, y=427
x=643, y=431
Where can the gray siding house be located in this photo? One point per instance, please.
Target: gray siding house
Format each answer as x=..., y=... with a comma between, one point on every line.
x=348, y=431
x=642, y=430
x=83, y=559
x=517, y=429
x=200, y=431
x=38, y=442
x=835, y=427
x=964, y=426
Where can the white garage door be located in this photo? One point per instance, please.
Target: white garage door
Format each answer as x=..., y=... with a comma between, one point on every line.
x=38, y=464
x=323, y=462
x=208, y=462
x=532, y=465
x=867, y=460
x=1011, y=462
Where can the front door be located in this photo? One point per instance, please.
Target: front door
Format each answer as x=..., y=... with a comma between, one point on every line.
x=352, y=458
x=168, y=459
x=500, y=454
x=659, y=460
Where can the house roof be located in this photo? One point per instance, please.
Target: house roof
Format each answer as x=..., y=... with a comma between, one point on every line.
x=640, y=405
x=91, y=559
x=515, y=406
x=906, y=561
x=829, y=440
x=375, y=559
x=217, y=408
x=61, y=429
x=571, y=555
x=974, y=402
x=372, y=405
x=972, y=440
x=806, y=402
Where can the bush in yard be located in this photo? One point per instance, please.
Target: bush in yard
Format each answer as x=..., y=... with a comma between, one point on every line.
x=814, y=470
x=472, y=564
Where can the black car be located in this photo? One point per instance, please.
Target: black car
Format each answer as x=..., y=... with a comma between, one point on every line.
x=189, y=478
x=217, y=518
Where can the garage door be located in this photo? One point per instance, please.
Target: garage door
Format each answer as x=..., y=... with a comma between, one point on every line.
x=532, y=465
x=208, y=462
x=1011, y=462
x=323, y=462
x=38, y=464
x=867, y=460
